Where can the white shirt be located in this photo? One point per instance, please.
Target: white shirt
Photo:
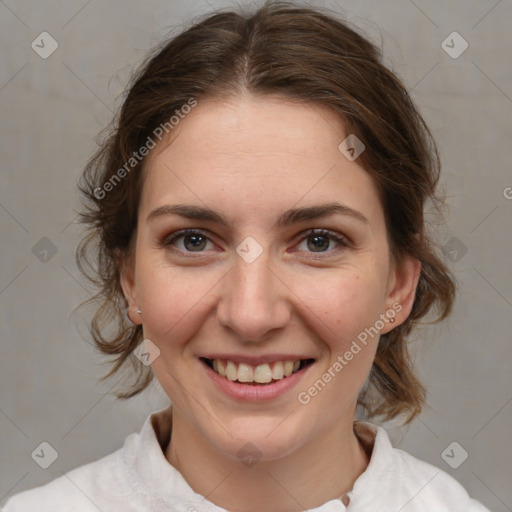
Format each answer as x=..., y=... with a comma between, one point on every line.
x=138, y=478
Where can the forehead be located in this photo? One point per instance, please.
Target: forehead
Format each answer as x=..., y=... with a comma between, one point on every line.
x=249, y=152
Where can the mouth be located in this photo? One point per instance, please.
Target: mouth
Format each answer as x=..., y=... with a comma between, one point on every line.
x=260, y=375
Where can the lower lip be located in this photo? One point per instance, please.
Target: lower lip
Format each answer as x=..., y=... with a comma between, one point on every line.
x=248, y=392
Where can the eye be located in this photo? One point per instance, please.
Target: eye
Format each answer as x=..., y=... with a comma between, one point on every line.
x=322, y=240
x=189, y=240
x=313, y=241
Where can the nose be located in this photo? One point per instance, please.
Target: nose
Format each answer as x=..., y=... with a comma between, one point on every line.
x=254, y=300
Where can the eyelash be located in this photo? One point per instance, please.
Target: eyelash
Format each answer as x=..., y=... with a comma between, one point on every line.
x=333, y=236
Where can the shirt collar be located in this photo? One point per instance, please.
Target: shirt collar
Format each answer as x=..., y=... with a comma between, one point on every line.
x=145, y=467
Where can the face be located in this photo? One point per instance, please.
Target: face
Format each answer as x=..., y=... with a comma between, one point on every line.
x=259, y=242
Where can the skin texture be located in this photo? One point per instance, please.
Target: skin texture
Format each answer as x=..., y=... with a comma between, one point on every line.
x=251, y=159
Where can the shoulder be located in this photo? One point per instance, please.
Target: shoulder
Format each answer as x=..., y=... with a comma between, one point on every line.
x=84, y=489
x=123, y=480
x=437, y=487
x=403, y=482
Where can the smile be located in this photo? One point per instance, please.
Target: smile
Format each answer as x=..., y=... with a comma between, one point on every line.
x=262, y=374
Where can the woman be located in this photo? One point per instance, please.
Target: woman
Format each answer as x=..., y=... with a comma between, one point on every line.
x=258, y=215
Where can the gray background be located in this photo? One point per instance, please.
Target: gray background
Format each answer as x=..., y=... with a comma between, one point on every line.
x=51, y=111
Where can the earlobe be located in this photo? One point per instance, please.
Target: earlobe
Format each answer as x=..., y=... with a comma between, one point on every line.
x=402, y=290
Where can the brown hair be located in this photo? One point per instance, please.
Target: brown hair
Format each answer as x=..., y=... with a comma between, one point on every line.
x=302, y=54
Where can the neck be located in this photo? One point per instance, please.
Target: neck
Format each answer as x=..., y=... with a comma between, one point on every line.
x=321, y=470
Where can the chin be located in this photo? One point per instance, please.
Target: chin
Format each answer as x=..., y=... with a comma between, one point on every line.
x=268, y=440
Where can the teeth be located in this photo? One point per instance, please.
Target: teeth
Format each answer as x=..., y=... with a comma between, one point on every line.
x=288, y=368
x=231, y=372
x=278, y=371
x=245, y=373
x=262, y=374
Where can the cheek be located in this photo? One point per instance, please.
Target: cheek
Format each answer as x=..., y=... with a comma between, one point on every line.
x=175, y=304
x=343, y=312
x=345, y=302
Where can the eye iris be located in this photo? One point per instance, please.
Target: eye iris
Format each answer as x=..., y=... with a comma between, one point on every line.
x=319, y=243
x=194, y=242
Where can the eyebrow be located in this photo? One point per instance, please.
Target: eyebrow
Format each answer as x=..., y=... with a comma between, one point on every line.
x=288, y=218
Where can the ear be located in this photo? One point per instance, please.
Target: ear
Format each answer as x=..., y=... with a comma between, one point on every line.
x=127, y=280
x=401, y=290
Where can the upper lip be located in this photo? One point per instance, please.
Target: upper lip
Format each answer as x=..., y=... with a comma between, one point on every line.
x=256, y=360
